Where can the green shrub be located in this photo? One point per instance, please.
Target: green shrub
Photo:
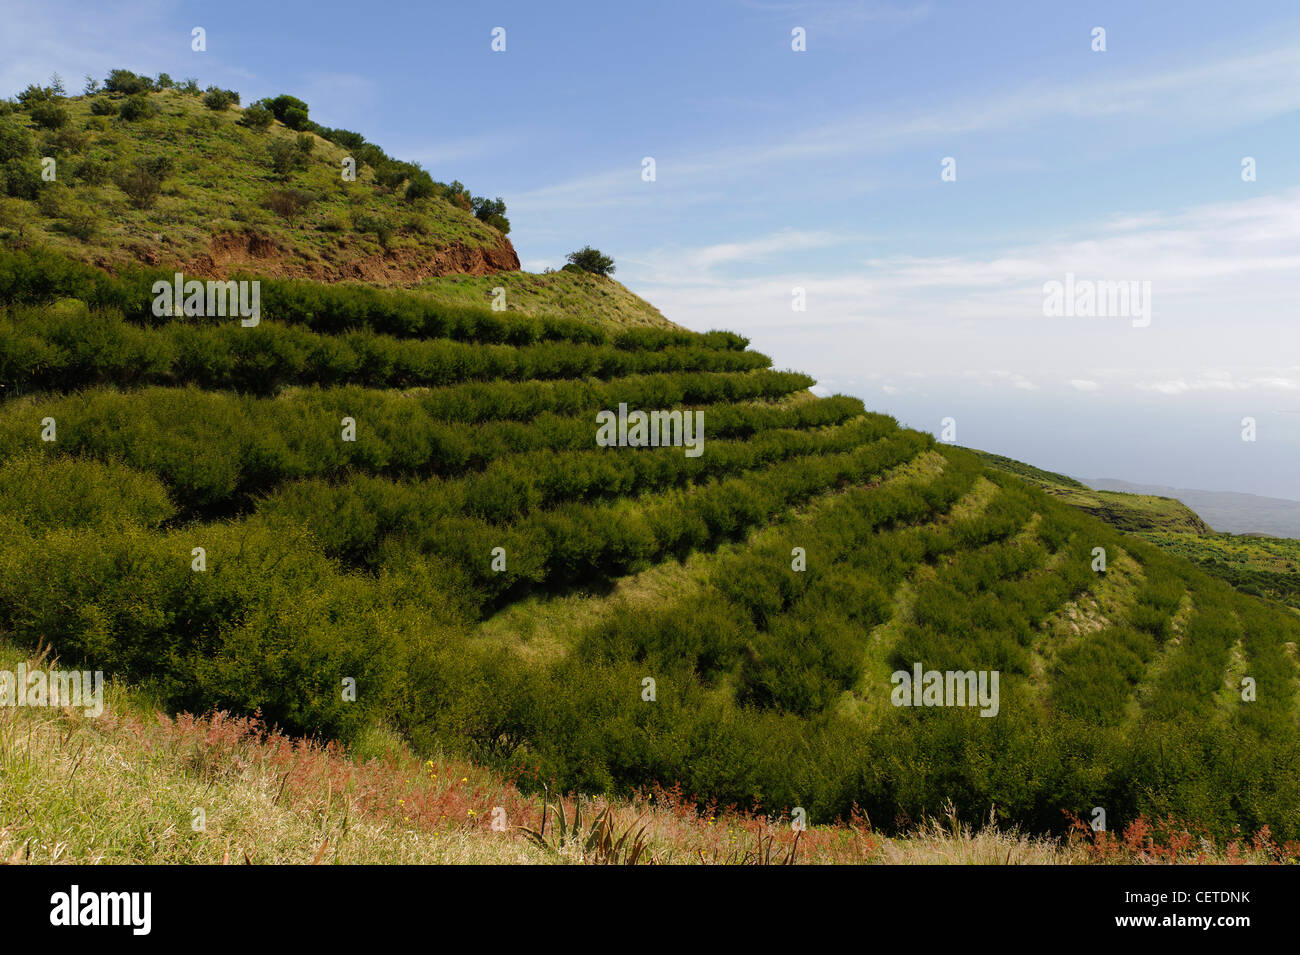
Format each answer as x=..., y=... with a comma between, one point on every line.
x=50, y=115
x=93, y=170
x=289, y=203
x=66, y=141
x=280, y=106
x=142, y=180
x=257, y=118
x=296, y=118
x=15, y=141
x=336, y=220
x=392, y=174
x=34, y=96
x=591, y=260
x=15, y=215
x=420, y=187
x=380, y=225
x=285, y=156
x=492, y=212
x=137, y=107
x=126, y=82
x=22, y=178
x=81, y=220
x=219, y=99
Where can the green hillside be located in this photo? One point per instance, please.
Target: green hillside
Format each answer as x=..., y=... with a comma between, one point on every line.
x=170, y=176
x=1263, y=566
x=1135, y=513
x=501, y=588
x=382, y=508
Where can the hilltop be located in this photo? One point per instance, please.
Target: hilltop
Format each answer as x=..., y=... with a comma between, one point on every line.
x=151, y=173
x=1128, y=512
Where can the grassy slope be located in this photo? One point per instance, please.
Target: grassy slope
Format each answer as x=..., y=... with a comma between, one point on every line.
x=893, y=590
x=1128, y=512
x=979, y=570
x=564, y=293
x=1264, y=566
x=1255, y=564
x=222, y=174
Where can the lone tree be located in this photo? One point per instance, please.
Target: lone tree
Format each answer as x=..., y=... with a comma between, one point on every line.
x=143, y=179
x=218, y=99
x=289, y=203
x=289, y=110
x=491, y=211
x=592, y=260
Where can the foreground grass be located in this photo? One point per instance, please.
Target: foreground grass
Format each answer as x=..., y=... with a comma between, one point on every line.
x=135, y=786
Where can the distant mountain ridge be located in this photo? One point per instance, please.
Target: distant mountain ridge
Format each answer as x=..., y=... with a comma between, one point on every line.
x=1226, y=511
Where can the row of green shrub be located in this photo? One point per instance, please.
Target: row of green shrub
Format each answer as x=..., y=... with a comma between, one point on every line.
x=515, y=486
x=270, y=625
x=749, y=672
x=572, y=543
x=40, y=276
x=524, y=400
x=587, y=724
x=272, y=622
x=213, y=449
x=66, y=347
x=791, y=636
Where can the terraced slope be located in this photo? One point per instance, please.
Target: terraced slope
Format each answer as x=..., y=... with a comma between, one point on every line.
x=1135, y=513
x=182, y=507
x=1266, y=567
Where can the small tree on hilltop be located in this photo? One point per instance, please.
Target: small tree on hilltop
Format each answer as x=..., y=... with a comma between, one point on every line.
x=219, y=99
x=124, y=81
x=257, y=118
x=491, y=211
x=592, y=260
x=289, y=110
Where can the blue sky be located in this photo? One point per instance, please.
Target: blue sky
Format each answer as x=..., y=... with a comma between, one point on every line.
x=820, y=170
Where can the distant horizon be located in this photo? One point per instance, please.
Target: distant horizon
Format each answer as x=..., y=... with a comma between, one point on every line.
x=1090, y=481
x=1188, y=446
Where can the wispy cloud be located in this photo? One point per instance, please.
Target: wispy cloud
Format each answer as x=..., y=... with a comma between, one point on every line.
x=1222, y=381
x=1238, y=89
x=1225, y=278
